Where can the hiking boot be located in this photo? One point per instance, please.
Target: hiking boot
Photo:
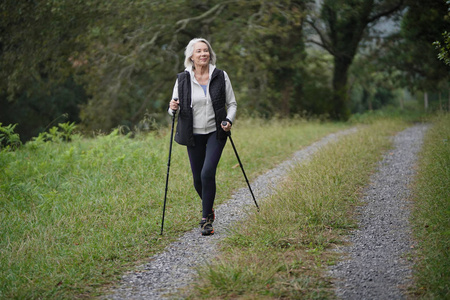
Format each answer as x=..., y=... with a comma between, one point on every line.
x=206, y=225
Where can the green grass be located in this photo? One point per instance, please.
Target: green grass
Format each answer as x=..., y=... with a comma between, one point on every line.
x=75, y=216
x=283, y=252
x=431, y=215
x=412, y=112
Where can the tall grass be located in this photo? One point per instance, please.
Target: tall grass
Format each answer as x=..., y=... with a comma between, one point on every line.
x=75, y=216
x=283, y=251
x=431, y=215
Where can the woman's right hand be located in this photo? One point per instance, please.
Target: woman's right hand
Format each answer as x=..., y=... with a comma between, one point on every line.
x=174, y=104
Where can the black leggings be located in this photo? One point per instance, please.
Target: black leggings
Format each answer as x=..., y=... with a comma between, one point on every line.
x=204, y=158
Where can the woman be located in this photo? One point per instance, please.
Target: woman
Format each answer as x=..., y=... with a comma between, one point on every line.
x=204, y=97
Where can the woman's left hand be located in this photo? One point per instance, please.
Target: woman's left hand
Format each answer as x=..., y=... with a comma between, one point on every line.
x=226, y=128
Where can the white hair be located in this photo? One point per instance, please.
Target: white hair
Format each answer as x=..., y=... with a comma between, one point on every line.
x=190, y=51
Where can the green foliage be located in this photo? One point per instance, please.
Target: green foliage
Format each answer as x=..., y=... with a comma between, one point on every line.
x=444, y=53
x=431, y=213
x=8, y=139
x=444, y=50
x=38, y=40
x=133, y=56
x=108, y=64
x=64, y=132
x=67, y=131
x=256, y=55
x=415, y=54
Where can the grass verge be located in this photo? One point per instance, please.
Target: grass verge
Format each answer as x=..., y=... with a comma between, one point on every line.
x=431, y=214
x=284, y=251
x=75, y=216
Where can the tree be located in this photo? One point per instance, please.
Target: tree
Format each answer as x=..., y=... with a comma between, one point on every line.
x=37, y=41
x=444, y=48
x=412, y=51
x=341, y=27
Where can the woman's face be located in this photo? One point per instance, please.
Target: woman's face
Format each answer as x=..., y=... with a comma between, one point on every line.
x=201, y=54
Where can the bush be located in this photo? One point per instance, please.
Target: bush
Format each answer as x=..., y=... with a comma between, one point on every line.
x=64, y=132
x=8, y=139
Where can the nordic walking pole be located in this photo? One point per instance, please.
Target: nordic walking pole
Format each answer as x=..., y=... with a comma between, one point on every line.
x=174, y=112
x=224, y=123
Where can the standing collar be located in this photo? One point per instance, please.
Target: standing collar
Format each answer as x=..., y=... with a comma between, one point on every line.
x=191, y=70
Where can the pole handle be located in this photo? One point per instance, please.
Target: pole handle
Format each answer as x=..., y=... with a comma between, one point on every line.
x=175, y=111
x=224, y=123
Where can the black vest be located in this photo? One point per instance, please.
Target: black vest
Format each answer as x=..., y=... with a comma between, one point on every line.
x=185, y=129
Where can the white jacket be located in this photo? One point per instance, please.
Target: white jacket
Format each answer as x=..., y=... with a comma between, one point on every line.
x=204, y=121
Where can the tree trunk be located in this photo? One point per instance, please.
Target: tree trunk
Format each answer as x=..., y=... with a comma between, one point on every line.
x=425, y=100
x=340, y=110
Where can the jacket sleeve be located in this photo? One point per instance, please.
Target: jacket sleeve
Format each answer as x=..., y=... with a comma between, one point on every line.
x=174, y=95
x=231, y=103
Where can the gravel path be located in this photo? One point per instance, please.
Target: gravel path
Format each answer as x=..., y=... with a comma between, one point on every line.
x=176, y=266
x=377, y=266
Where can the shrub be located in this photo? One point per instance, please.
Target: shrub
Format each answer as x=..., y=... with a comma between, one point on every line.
x=8, y=139
x=64, y=132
